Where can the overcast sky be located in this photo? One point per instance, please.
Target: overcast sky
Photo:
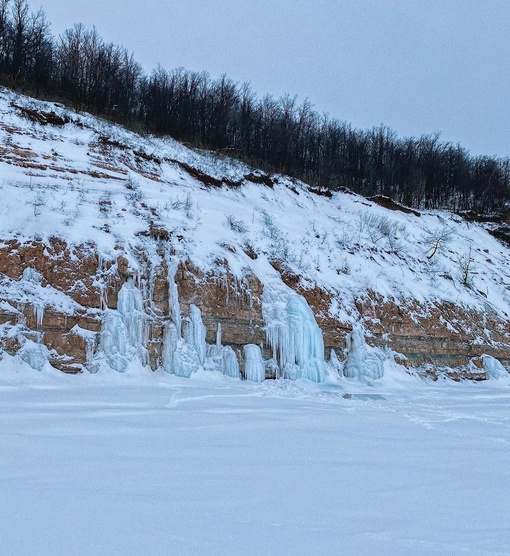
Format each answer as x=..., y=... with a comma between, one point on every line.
x=418, y=66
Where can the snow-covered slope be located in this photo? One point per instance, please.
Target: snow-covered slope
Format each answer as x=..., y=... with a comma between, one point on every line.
x=89, y=182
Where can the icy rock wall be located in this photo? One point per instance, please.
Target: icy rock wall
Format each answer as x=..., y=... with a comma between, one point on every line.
x=254, y=368
x=182, y=355
x=293, y=334
x=184, y=342
x=362, y=360
x=32, y=276
x=124, y=331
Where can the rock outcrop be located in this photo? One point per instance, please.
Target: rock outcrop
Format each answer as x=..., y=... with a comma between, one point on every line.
x=57, y=294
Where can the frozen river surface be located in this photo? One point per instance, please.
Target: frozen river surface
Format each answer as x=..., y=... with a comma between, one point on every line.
x=153, y=464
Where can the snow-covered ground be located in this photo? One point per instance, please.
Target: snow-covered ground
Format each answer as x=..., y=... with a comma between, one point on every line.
x=149, y=463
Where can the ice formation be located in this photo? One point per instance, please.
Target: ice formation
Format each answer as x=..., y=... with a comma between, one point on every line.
x=113, y=340
x=179, y=358
x=224, y=359
x=32, y=276
x=173, y=295
x=90, y=340
x=130, y=307
x=334, y=363
x=362, y=360
x=183, y=356
x=124, y=331
x=184, y=346
x=194, y=333
x=254, y=368
x=493, y=367
x=293, y=334
x=35, y=354
x=184, y=352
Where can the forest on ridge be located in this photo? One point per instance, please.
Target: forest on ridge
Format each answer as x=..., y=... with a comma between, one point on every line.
x=80, y=69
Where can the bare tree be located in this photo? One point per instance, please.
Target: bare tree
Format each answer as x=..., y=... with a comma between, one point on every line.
x=466, y=264
x=437, y=240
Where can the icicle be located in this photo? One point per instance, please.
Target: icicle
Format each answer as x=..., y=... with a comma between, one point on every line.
x=89, y=354
x=33, y=276
x=254, y=369
x=38, y=309
x=362, y=360
x=184, y=346
x=223, y=358
x=229, y=363
x=173, y=295
x=90, y=343
x=130, y=306
x=124, y=332
x=182, y=356
x=113, y=340
x=218, y=336
x=195, y=333
x=293, y=334
x=178, y=357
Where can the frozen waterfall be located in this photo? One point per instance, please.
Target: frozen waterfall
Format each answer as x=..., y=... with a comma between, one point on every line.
x=293, y=334
x=254, y=368
x=184, y=346
x=362, y=360
x=194, y=333
x=124, y=331
x=179, y=358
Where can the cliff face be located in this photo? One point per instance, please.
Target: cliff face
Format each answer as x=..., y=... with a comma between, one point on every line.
x=90, y=286
x=60, y=302
x=117, y=248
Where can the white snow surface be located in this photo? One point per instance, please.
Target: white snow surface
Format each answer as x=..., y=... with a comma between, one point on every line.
x=149, y=463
